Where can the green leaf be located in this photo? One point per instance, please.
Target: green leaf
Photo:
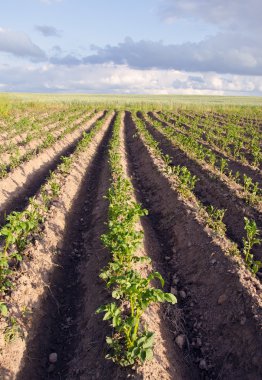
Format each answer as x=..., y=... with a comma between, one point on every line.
x=169, y=297
x=3, y=309
x=149, y=354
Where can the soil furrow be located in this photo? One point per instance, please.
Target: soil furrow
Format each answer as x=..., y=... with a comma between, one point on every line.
x=26, y=180
x=75, y=283
x=35, y=145
x=209, y=190
x=233, y=165
x=168, y=361
x=47, y=285
x=20, y=140
x=220, y=302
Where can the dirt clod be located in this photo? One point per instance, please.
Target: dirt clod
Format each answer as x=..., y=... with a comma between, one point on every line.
x=180, y=341
x=222, y=299
x=203, y=364
x=182, y=294
x=53, y=357
x=173, y=290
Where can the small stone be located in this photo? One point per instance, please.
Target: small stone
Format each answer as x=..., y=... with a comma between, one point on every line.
x=182, y=294
x=167, y=258
x=173, y=290
x=174, y=250
x=243, y=320
x=180, y=341
x=202, y=364
x=222, y=299
x=189, y=244
x=213, y=261
x=59, y=245
x=53, y=357
x=199, y=342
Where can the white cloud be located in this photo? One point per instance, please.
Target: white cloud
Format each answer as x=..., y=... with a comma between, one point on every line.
x=20, y=45
x=230, y=15
x=48, y=31
x=108, y=78
x=224, y=53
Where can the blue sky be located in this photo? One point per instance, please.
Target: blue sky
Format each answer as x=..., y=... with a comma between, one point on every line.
x=153, y=46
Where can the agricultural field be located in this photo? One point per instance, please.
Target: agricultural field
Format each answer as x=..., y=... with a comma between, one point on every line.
x=130, y=238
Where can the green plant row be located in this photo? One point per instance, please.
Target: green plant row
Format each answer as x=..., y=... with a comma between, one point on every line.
x=131, y=342
x=185, y=180
x=212, y=216
x=31, y=121
x=20, y=226
x=251, y=191
x=238, y=142
x=36, y=130
x=49, y=140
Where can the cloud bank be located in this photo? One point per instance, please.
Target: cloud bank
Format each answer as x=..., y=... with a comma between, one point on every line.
x=20, y=45
x=229, y=62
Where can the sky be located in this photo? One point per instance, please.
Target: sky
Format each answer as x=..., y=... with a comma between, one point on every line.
x=131, y=47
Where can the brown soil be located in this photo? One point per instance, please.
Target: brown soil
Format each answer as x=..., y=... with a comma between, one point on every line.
x=36, y=290
x=234, y=165
x=210, y=190
x=12, y=134
x=45, y=124
x=222, y=307
x=58, y=288
x=26, y=180
x=169, y=361
x=34, y=145
x=73, y=330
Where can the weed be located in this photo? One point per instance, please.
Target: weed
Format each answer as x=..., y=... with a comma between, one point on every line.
x=251, y=239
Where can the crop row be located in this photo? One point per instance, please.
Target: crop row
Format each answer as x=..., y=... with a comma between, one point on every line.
x=36, y=131
x=131, y=342
x=26, y=122
x=249, y=189
x=48, y=141
x=213, y=217
x=236, y=142
x=20, y=226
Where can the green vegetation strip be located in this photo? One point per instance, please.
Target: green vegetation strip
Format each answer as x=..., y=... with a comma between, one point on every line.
x=131, y=342
x=251, y=190
x=35, y=129
x=20, y=226
x=233, y=138
x=185, y=183
x=49, y=140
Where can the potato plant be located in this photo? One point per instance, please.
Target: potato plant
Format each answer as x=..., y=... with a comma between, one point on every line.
x=131, y=342
x=20, y=226
x=251, y=191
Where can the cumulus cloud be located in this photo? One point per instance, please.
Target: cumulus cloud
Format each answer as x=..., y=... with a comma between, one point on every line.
x=67, y=60
x=20, y=45
x=48, y=31
x=235, y=49
x=230, y=15
x=108, y=78
x=223, y=53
